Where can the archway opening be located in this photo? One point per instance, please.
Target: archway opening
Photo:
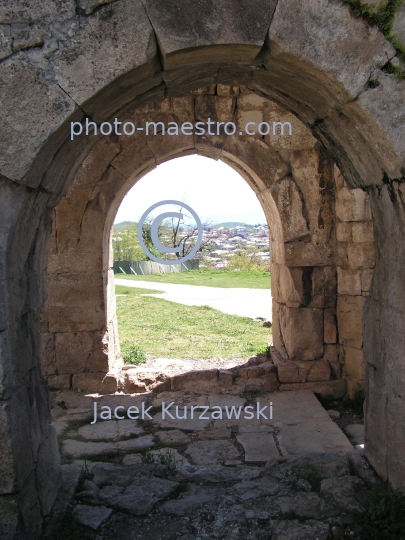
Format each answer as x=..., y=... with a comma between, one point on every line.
x=223, y=310
x=309, y=210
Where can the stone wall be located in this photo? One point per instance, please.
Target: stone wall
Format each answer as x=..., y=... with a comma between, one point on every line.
x=321, y=244
x=327, y=344
x=355, y=260
x=62, y=60
x=293, y=176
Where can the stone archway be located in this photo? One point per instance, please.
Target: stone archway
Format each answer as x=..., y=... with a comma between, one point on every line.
x=294, y=54
x=301, y=192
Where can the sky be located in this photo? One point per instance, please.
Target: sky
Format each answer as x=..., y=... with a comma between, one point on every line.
x=213, y=189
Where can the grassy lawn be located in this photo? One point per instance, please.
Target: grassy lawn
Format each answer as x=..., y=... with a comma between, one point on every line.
x=131, y=291
x=166, y=329
x=209, y=278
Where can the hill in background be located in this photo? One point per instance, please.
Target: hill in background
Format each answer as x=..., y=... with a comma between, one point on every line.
x=233, y=224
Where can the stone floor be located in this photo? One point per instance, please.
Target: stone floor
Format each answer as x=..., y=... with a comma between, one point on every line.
x=291, y=476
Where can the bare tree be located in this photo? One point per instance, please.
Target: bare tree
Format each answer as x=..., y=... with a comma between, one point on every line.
x=183, y=233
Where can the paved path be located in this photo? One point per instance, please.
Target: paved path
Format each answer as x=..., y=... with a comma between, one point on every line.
x=287, y=475
x=244, y=302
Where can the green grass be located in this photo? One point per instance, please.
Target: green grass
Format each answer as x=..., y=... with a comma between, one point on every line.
x=208, y=278
x=383, y=17
x=167, y=329
x=132, y=291
x=132, y=353
x=385, y=517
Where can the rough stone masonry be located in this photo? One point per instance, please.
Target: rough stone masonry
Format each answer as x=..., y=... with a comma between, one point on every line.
x=335, y=203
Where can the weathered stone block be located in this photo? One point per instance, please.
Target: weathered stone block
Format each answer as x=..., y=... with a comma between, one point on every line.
x=355, y=387
x=328, y=389
x=290, y=206
x=133, y=387
x=75, y=303
x=7, y=473
x=268, y=367
x=287, y=371
x=331, y=353
x=329, y=326
x=354, y=363
x=304, y=254
x=80, y=64
x=243, y=117
x=225, y=378
x=266, y=383
x=48, y=473
x=59, y=382
x=319, y=371
x=344, y=232
x=366, y=277
x=349, y=281
x=225, y=90
x=361, y=255
x=352, y=205
x=9, y=516
x=287, y=285
x=292, y=31
x=243, y=373
x=183, y=107
x=218, y=109
x=206, y=380
x=225, y=23
x=252, y=102
x=350, y=320
x=5, y=41
x=48, y=361
x=80, y=352
x=89, y=382
x=324, y=286
x=363, y=232
x=134, y=158
x=300, y=138
x=301, y=332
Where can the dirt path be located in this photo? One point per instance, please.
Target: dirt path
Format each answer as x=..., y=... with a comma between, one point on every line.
x=244, y=302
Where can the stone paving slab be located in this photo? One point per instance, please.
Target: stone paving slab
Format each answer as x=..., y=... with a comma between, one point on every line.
x=356, y=433
x=258, y=447
x=225, y=400
x=294, y=407
x=173, y=436
x=75, y=449
x=139, y=497
x=223, y=485
x=171, y=454
x=132, y=459
x=138, y=444
x=194, y=498
x=242, y=425
x=188, y=424
x=92, y=516
x=253, y=489
x=314, y=436
x=214, y=434
x=101, y=430
x=211, y=452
